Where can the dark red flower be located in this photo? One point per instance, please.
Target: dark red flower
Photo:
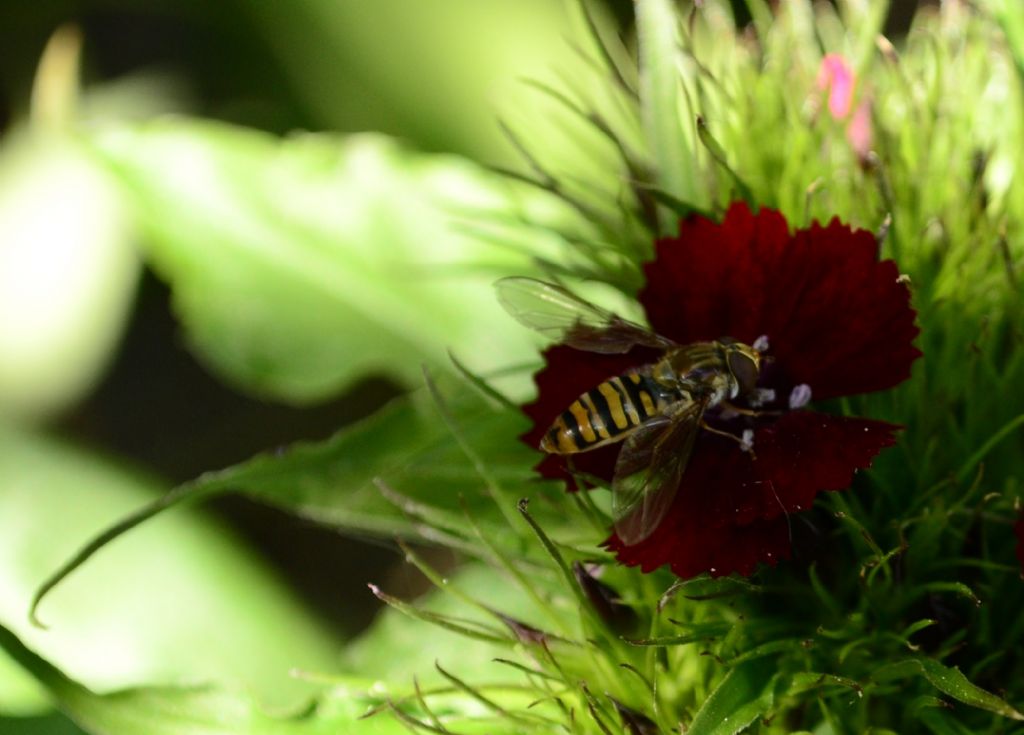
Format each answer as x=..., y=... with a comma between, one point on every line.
x=837, y=320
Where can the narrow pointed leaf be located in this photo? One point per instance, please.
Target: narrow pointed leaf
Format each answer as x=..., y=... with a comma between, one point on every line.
x=663, y=103
x=746, y=693
x=952, y=682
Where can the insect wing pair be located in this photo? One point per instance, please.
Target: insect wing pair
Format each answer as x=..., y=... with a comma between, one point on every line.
x=655, y=452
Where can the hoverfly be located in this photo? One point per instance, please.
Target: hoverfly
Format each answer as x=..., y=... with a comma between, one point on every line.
x=657, y=410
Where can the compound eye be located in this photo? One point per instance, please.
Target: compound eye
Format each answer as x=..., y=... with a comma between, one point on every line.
x=744, y=370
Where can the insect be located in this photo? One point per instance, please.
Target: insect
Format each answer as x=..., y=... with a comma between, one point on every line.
x=656, y=410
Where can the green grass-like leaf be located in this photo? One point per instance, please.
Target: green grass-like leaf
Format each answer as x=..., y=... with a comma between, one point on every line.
x=667, y=111
x=951, y=681
x=746, y=693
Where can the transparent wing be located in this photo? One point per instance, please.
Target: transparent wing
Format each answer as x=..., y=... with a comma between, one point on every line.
x=557, y=313
x=649, y=469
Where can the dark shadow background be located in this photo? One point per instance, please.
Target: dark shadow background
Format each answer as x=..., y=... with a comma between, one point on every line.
x=157, y=406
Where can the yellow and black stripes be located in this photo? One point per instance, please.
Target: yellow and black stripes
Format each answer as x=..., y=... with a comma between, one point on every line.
x=606, y=413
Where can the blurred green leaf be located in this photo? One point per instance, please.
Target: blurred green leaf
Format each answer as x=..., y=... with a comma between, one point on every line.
x=211, y=711
x=746, y=693
x=397, y=473
x=20, y=694
x=67, y=281
x=668, y=114
x=407, y=448
x=941, y=722
x=54, y=723
x=1010, y=16
x=185, y=602
x=183, y=711
x=298, y=265
x=341, y=59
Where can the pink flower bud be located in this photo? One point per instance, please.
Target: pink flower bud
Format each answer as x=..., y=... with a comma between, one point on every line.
x=858, y=132
x=836, y=77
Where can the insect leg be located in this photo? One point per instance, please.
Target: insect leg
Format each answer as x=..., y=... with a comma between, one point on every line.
x=744, y=441
x=729, y=407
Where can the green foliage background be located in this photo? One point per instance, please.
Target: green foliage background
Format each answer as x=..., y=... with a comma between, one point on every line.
x=300, y=263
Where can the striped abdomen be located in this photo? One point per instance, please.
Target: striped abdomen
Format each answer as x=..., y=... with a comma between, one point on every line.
x=607, y=413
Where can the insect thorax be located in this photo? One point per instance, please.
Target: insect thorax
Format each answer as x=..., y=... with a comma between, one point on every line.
x=699, y=370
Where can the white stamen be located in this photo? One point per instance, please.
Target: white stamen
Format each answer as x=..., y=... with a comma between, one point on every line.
x=747, y=440
x=800, y=396
x=761, y=396
x=761, y=344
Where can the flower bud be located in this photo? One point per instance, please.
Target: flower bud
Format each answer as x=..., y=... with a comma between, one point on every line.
x=618, y=616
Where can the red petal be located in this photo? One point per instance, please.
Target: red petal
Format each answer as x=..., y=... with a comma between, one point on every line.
x=690, y=541
x=705, y=284
x=698, y=534
x=730, y=511
x=567, y=374
x=836, y=317
x=805, y=453
x=696, y=549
